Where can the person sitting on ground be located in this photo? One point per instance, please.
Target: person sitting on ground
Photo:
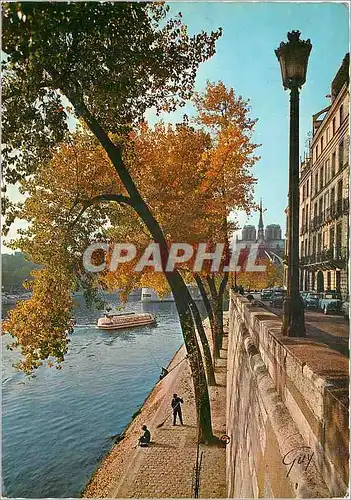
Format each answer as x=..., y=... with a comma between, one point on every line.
x=164, y=372
x=145, y=439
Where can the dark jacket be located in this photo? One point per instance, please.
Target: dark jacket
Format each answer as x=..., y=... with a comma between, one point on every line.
x=146, y=437
x=176, y=403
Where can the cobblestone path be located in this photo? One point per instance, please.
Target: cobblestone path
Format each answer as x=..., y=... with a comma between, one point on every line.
x=165, y=468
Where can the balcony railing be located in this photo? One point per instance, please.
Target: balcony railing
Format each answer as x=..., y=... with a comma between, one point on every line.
x=334, y=254
x=335, y=210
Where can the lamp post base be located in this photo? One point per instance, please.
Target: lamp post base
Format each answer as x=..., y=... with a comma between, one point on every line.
x=293, y=317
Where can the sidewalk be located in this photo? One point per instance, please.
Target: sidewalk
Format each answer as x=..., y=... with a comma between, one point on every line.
x=165, y=468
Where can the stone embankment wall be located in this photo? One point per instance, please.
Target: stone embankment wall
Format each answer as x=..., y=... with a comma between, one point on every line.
x=287, y=415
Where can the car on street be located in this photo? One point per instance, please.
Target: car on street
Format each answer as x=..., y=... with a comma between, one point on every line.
x=266, y=294
x=330, y=302
x=277, y=298
x=346, y=308
x=311, y=300
x=304, y=295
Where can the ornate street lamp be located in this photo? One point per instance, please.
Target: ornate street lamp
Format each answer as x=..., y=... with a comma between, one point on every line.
x=293, y=58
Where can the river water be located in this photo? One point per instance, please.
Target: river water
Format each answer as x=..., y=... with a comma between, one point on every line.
x=56, y=425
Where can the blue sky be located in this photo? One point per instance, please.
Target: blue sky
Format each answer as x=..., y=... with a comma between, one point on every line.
x=245, y=60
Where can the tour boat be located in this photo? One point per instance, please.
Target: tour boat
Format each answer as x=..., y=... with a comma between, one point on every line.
x=125, y=320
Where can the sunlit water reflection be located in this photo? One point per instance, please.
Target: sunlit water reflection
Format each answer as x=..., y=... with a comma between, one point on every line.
x=57, y=425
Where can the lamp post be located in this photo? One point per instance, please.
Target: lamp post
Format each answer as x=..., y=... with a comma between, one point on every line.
x=293, y=58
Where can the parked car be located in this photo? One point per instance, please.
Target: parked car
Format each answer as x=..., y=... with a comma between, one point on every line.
x=330, y=301
x=277, y=298
x=346, y=308
x=304, y=295
x=311, y=300
x=266, y=294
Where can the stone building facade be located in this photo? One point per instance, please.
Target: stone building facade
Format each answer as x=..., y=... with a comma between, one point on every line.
x=324, y=195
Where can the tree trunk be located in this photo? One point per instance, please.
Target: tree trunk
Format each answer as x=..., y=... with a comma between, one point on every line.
x=221, y=291
x=183, y=299
x=216, y=332
x=217, y=308
x=181, y=294
x=205, y=298
x=211, y=379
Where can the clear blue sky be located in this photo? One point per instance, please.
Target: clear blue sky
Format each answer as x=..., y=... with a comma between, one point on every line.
x=245, y=60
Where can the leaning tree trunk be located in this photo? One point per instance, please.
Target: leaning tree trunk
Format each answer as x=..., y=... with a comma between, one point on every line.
x=181, y=293
x=211, y=379
x=205, y=299
x=220, y=298
x=217, y=308
x=216, y=332
x=183, y=299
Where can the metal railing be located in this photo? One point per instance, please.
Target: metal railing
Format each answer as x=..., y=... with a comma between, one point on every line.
x=335, y=210
x=333, y=254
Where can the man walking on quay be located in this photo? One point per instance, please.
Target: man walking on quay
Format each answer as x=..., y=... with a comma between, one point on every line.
x=177, y=410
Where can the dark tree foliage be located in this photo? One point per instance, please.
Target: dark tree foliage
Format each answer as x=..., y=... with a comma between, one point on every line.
x=112, y=60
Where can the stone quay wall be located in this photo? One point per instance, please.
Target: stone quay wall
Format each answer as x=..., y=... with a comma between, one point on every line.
x=287, y=418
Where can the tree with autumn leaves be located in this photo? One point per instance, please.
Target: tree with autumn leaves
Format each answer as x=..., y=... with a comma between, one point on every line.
x=270, y=274
x=226, y=118
x=60, y=51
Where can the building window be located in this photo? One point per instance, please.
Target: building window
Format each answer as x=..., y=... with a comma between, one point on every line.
x=316, y=183
x=314, y=245
x=307, y=217
x=333, y=164
x=340, y=190
x=327, y=135
x=316, y=151
x=341, y=154
x=320, y=205
x=301, y=251
x=326, y=171
x=308, y=188
x=341, y=114
x=338, y=240
x=303, y=219
x=329, y=280
x=333, y=125
x=322, y=143
x=338, y=280
x=319, y=243
x=332, y=201
x=331, y=237
x=326, y=200
x=321, y=178
x=303, y=192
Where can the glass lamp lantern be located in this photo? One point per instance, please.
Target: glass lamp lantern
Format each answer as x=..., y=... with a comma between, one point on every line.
x=293, y=58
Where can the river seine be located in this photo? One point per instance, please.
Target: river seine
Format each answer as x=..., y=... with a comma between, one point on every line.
x=57, y=424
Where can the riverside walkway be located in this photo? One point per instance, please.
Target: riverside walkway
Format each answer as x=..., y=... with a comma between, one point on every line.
x=165, y=468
